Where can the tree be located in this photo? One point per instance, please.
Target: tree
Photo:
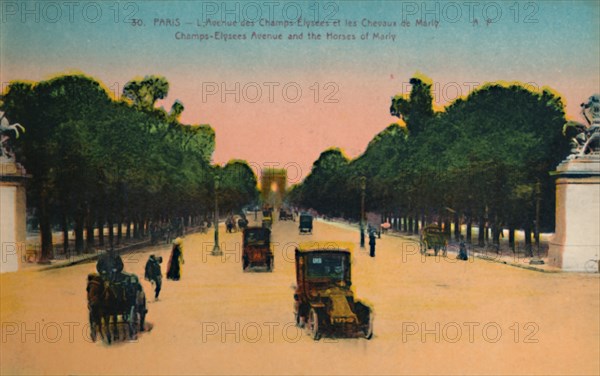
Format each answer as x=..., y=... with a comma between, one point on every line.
x=145, y=92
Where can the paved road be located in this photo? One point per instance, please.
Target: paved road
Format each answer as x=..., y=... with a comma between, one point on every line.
x=432, y=316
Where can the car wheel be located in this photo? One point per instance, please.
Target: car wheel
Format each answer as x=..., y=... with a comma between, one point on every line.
x=312, y=326
x=368, y=331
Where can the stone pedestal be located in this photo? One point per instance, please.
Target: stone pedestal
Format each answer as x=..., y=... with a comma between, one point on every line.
x=13, y=217
x=576, y=243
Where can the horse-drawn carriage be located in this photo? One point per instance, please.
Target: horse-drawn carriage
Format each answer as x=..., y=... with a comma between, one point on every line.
x=256, y=249
x=121, y=294
x=324, y=301
x=433, y=237
x=305, y=223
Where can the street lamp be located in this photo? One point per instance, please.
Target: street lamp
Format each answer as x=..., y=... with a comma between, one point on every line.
x=216, y=250
x=363, y=186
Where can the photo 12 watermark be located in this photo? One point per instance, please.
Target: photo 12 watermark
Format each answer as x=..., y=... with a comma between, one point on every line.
x=270, y=92
x=470, y=331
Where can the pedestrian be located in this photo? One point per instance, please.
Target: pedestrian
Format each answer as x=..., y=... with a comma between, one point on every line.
x=176, y=260
x=462, y=250
x=109, y=265
x=154, y=274
x=372, y=243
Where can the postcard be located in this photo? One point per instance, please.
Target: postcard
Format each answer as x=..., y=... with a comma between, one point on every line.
x=299, y=187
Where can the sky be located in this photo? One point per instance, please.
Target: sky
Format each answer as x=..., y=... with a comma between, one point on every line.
x=280, y=103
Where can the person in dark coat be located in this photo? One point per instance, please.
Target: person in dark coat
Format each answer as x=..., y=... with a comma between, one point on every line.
x=109, y=265
x=154, y=274
x=372, y=243
x=462, y=250
x=176, y=260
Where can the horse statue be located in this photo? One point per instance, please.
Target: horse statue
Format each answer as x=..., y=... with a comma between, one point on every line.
x=585, y=139
x=5, y=128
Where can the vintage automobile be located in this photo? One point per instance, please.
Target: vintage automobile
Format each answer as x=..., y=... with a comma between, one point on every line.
x=305, y=223
x=267, y=220
x=324, y=301
x=257, y=248
x=285, y=215
x=433, y=236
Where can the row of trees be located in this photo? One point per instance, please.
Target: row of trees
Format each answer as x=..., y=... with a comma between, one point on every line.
x=484, y=160
x=97, y=162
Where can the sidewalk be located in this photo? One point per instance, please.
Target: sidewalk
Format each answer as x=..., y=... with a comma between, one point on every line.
x=89, y=257
x=515, y=260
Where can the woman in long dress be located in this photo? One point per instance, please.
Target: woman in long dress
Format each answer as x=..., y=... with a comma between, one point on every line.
x=175, y=261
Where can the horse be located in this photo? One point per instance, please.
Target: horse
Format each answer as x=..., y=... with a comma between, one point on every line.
x=127, y=299
x=97, y=294
x=106, y=299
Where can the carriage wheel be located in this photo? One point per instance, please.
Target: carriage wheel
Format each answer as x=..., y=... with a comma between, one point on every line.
x=132, y=321
x=312, y=325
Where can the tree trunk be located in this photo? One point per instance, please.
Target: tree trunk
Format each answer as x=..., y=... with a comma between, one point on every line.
x=89, y=234
x=47, y=252
x=128, y=229
x=482, y=230
x=511, y=238
x=79, y=234
x=528, y=247
x=100, y=223
x=120, y=230
x=65, y=231
x=456, y=227
x=487, y=234
x=111, y=232
x=496, y=236
x=469, y=230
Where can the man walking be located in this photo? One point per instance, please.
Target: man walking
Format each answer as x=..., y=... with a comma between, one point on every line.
x=154, y=274
x=372, y=243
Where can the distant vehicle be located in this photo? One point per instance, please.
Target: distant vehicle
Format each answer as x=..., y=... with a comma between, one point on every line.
x=267, y=221
x=285, y=215
x=257, y=248
x=305, y=223
x=433, y=236
x=324, y=301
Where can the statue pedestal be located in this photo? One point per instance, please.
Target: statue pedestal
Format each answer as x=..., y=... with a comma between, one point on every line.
x=13, y=230
x=576, y=243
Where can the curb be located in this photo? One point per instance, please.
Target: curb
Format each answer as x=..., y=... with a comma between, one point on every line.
x=96, y=255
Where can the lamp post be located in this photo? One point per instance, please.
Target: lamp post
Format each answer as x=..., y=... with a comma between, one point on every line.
x=363, y=186
x=216, y=250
